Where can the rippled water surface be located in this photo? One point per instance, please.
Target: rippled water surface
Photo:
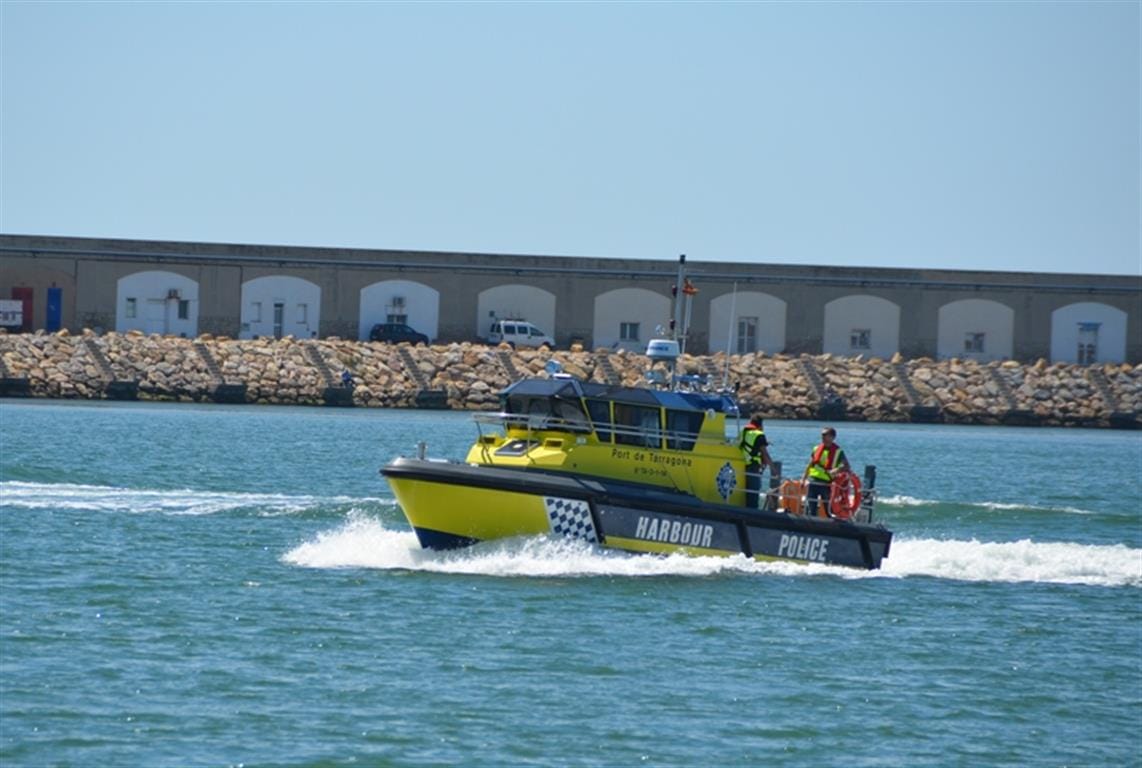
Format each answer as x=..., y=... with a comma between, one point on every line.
x=196, y=585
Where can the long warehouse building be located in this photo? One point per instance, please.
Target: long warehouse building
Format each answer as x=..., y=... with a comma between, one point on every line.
x=247, y=291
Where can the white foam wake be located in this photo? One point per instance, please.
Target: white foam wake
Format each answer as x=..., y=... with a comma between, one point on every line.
x=364, y=542
x=901, y=500
x=1014, y=561
x=102, y=498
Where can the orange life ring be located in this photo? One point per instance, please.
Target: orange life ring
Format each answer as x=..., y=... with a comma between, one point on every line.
x=844, y=496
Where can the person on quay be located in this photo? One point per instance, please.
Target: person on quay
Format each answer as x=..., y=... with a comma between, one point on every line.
x=755, y=452
x=827, y=459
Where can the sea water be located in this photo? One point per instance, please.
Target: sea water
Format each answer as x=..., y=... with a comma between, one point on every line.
x=189, y=585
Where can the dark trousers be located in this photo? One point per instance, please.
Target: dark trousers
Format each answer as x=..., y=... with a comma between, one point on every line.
x=753, y=485
x=818, y=489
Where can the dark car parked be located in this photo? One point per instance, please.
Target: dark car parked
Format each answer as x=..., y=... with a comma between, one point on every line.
x=396, y=333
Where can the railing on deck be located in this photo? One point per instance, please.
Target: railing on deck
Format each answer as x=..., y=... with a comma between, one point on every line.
x=638, y=437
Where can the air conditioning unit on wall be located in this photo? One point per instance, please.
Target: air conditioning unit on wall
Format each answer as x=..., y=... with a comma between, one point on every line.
x=173, y=293
x=398, y=301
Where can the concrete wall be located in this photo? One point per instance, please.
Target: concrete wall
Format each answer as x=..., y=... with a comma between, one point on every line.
x=515, y=302
x=274, y=306
x=1097, y=325
x=88, y=271
x=641, y=310
x=958, y=319
x=419, y=302
x=862, y=325
x=726, y=312
x=154, y=301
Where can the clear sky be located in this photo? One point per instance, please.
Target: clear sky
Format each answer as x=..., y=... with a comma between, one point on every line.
x=964, y=135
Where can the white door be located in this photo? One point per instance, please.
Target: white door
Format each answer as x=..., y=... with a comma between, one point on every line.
x=747, y=335
x=155, y=319
x=1088, y=343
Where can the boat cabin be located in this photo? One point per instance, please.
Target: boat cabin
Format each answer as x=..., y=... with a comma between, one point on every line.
x=634, y=416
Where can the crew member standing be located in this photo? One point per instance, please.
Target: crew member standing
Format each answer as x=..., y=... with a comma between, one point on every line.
x=827, y=458
x=755, y=452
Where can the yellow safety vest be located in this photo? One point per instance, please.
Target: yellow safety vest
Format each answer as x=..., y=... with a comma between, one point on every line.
x=749, y=439
x=823, y=462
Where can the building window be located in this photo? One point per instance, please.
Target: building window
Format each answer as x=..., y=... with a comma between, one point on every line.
x=398, y=319
x=184, y=309
x=973, y=342
x=747, y=335
x=303, y=313
x=860, y=338
x=132, y=308
x=256, y=312
x=628, y=331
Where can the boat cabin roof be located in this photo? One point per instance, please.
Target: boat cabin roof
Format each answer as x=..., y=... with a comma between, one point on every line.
x=576, y=389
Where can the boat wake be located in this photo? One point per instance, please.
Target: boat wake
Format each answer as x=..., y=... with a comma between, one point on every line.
x=102, y=498
x=906, y=502
x=364, y=542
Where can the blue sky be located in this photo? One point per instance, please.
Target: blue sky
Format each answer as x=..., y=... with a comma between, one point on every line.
x=923, y=135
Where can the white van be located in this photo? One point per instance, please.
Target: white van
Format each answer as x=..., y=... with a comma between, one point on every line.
x=518, y=333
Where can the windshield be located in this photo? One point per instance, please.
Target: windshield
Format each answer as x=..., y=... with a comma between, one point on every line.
x=550, y=412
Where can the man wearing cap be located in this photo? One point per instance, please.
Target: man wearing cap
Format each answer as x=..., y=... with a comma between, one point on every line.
x=756, y=455
x=827, y=458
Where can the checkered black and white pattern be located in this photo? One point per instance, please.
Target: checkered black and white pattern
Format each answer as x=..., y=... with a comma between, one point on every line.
x=571, y=518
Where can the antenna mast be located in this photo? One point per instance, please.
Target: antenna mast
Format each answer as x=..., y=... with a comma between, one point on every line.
x=676, y=315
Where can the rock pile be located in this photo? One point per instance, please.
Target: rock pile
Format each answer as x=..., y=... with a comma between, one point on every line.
x=470, y=376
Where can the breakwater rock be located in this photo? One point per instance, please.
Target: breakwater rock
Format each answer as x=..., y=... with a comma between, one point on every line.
x=470, y=376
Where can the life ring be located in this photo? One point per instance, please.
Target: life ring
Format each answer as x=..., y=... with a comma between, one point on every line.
x=844, y=496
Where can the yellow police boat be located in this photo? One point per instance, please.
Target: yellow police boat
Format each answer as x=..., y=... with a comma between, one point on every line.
x=643, y=469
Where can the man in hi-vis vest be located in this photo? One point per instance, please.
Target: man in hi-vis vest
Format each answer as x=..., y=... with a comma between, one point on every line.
x=827, y=458
x=755, y=452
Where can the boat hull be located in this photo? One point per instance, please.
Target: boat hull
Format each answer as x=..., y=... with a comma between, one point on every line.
x=451, y=505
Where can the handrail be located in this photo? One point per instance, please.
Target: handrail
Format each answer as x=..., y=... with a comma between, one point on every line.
x=556, y=424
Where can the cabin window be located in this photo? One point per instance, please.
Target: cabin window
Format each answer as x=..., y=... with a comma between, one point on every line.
x=184, y=309
x=628, y=331
x=600, y=411
x=549, y=413
x=682, y=429
x=132, y=308
x=637, y=425
x=569, y=415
